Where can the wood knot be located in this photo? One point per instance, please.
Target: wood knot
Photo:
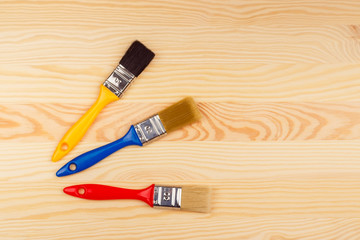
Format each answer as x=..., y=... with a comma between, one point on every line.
x=355, y=30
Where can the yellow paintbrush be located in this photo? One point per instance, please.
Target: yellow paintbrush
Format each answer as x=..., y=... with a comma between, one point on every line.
x=131, y=65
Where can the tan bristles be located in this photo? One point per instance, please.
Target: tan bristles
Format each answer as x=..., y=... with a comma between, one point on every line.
x=195, y=198
x=180, y=114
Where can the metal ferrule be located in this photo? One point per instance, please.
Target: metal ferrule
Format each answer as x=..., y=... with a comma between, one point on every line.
x=167, y=197
x=150, y=129
x=119, y=80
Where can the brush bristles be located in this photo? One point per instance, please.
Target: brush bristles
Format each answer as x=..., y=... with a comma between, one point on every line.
x=195, y=198
x=136, y=58
x=180, y=114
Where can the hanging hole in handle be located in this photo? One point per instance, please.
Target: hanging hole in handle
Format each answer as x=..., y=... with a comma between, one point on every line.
x=81, y=191
x=64, y=147
x=72, y=167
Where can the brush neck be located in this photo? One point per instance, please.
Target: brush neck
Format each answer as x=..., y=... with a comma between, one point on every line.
x=119, y=80
x=150, y=129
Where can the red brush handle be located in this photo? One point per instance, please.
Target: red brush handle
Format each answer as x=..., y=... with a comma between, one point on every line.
x=103, y=192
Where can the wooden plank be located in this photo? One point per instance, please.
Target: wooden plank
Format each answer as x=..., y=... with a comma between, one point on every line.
x=220, y=82
x=179, y=13
x=190, y=161
x=304, y=196
x=250, y=44
x=237, y=122
x=185, y=228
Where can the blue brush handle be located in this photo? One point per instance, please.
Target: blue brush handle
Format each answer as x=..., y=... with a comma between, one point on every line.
x=94, y=156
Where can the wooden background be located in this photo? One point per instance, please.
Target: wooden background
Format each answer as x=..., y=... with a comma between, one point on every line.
x=278, y=83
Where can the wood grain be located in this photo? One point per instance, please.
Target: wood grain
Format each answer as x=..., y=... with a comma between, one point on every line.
x=202, y=228
x=250, y=44
x=180, y=13
x=255, y=179
x=190, y=161
x=235, y=199
x=277, y=83
x=220, y=82
x=221, y=121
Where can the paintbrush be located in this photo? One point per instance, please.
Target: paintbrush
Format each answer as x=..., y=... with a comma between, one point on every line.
x=130, y=66
x=186, y=198
x=174, y=117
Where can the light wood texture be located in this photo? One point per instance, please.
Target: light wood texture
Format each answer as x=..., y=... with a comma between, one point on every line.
x=202, y=228
x=208, y=82
x=278, y=86
x=221, y=121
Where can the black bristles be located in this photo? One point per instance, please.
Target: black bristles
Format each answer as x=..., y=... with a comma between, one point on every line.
x=136, y=58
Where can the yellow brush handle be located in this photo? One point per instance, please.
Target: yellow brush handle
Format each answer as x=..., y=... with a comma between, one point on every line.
x=78, y=130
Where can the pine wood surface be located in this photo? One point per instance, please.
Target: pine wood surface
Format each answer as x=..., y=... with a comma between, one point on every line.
x=277, y=83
